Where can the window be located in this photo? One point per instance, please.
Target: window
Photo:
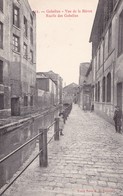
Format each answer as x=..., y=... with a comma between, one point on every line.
x=103, y=90
x=25, y=26
x=104, y=49
x=1, y=72
x=99, y=58
x=98, y=92
x=1, y=101
x=16, y=43
x=109, y=87
x=15, y=16
x=1, y=35
x=110, y=6
x=95, y=65
x=31, y=56
x=31, y=100
x=95, y=92
x=25, y=51
x=31, y=18
x=1, y=5
x=25, y=100
x=92, y=95
x=31, y=35
x=109, y=38
x=120, y=38
x=101, y=27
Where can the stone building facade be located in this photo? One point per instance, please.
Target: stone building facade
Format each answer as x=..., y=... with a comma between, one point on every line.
x=17, y=57
x=5, y=91
x=107, y=57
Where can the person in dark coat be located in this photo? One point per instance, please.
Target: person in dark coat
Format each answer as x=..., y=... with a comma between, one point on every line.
x=117, y=119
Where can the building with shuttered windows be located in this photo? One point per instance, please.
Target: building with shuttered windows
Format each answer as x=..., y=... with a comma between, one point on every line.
x=17, y=57
x=107, y=57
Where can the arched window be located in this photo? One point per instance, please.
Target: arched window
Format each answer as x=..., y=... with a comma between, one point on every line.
x=109, y=87
x=103, y=89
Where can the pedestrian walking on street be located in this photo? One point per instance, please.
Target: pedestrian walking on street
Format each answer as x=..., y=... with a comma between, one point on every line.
x=61, y=123
x=117, y=119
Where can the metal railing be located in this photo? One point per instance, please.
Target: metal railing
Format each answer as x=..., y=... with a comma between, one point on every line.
x=43, y=155
x=43, y=143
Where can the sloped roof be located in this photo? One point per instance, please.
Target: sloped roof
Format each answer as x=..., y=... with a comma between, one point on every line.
x=45, y=75
x=70, y=86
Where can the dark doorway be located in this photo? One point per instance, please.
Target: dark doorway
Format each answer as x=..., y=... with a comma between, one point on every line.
x=15, y=107
x=119, y=95
x=86, y=102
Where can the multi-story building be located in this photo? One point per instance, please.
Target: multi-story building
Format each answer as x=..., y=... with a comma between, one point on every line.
x=107, y=57
x=46, y=91
x=17, y=57
x=58, y=80
x=5, y=92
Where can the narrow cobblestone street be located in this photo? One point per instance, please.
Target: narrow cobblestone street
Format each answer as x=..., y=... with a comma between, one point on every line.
x=88, y=160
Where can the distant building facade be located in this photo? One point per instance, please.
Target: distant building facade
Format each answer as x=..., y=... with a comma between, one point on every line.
x=107, y=57
x=17, y=57
x=59, y=85
x=70, y=93
x=85, y=86
x=46, y=91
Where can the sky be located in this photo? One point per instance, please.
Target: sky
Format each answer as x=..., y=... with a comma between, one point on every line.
x=63, y=29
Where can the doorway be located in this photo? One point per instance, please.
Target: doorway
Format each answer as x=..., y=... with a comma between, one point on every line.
x=15, y=107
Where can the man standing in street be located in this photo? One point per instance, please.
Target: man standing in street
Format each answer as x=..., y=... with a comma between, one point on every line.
x=117, y=119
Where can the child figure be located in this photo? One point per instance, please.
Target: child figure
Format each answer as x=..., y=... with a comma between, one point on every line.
x=61, y=123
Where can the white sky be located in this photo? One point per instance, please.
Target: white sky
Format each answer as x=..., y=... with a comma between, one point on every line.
x=63, y=43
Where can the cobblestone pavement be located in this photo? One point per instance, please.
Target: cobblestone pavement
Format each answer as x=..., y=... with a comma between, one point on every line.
x=88, y=160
